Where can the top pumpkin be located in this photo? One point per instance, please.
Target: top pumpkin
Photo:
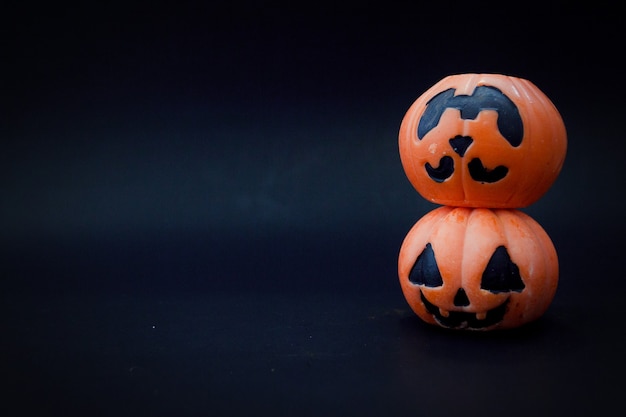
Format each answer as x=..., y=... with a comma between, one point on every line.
x=482, y=140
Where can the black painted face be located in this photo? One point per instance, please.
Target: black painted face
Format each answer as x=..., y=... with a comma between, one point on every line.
x=500, y=275
x=483, y=98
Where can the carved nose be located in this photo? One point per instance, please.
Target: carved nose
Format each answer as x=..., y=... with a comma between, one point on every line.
x=460, y=144
x=460, y=299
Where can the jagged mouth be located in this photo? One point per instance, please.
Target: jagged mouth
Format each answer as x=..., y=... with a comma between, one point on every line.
x=466, y=320
x=477, y=170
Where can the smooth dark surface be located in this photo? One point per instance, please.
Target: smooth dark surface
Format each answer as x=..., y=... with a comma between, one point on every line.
x=322, y=354
x=137, y=347
x=202, y=208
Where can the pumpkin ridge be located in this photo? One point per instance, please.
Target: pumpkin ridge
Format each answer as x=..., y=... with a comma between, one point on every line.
x=543, y=239
x=468, y=220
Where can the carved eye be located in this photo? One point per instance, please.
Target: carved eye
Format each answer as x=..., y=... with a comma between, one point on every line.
x=501, y=274
x=443, y=171
x=425, y=270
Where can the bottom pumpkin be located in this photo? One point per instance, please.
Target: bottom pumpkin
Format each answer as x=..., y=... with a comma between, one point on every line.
x=478, y=268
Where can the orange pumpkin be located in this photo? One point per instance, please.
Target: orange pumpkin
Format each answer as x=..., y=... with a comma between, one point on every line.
x=482, y=140
x=478, y=268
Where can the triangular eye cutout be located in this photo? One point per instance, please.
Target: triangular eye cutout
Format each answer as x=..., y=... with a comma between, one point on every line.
x=425, y=271
x=501, y=274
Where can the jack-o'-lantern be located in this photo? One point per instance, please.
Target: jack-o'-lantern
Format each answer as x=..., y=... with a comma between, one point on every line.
x=478, y=268
x=482, y=140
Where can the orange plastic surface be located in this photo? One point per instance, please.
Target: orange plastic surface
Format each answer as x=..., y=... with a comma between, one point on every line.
x=463, y=241
x=531, y=164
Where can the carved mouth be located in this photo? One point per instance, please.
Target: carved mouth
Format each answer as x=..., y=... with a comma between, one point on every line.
x=466, y=320
x=477, y=170
x=481, y=174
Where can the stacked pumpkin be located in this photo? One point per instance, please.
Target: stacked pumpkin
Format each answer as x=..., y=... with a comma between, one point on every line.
x=482, y=146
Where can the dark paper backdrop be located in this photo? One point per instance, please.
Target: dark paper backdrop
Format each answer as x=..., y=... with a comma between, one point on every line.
x=222, y=128
x=250, y=149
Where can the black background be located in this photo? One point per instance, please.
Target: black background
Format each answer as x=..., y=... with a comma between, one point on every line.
x=202, y=207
